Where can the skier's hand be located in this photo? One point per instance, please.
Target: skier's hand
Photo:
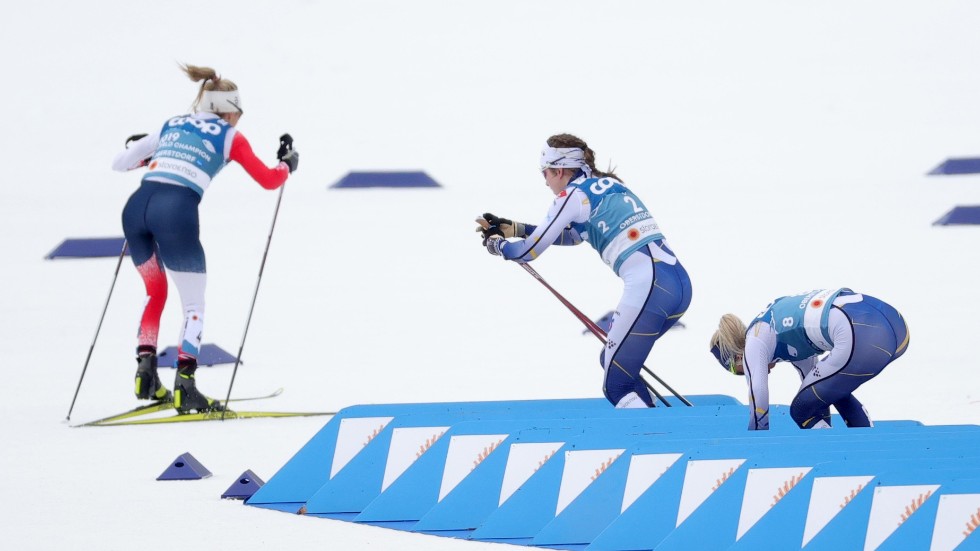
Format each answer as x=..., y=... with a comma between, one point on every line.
x=285, y=146
x=287, y=154
x=490, y=224
x=134, y=138
x=493, y=245
x=291, y=160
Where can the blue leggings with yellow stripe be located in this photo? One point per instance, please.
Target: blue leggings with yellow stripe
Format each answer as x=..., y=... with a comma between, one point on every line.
x=655, y=297
x=880, y=336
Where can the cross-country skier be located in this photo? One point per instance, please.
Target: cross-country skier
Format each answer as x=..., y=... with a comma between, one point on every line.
x=595, y=206
x=859, y=334
x=161, y=225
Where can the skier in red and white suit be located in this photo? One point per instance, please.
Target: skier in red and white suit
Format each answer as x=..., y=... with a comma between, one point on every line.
x=161, y=224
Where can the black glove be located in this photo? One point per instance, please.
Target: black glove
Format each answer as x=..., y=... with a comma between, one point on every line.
x=494, y=225
x=291, y=159
x=286, y=153
x=134, y=138
x=285, y=146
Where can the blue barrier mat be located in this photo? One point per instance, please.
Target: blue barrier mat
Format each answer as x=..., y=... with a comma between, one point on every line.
x=625, y=481
x=94, y=247
x=365, y=478
x=303, y=475
x=728, y=513
x=963, y=165
x=964, y=215
x=713, y=523
x=210, y=354
x=416, y=490
x=486, y=488
x=911, y=493
x=387, y=179
x=810, y=510
x=529, y=514
x=576, y=474
x=469, y=444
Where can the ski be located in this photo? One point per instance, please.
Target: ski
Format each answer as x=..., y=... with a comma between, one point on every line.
x=141, y=410
x=209, y=416
x=163, y=406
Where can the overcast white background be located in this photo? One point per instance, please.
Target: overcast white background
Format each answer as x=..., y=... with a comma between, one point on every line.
x=782, y=146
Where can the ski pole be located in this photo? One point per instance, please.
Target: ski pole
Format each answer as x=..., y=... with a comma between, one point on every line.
x=285, y=146
x=98, y=328
x=598, y=332
x=248, y=321
x=595, y=329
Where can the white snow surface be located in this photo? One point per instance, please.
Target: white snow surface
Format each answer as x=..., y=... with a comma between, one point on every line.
x=782, y=146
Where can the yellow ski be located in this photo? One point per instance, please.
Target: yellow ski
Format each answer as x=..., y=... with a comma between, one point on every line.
x=162, y=406
x=209, y=416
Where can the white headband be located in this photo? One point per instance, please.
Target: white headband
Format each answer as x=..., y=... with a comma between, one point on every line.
x=214, y=101
x=564, y=157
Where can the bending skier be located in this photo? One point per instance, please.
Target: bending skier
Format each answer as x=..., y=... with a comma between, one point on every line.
x=595, y=206
x=861, y=333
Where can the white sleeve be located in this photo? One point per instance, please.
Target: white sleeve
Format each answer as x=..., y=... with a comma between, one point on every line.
x=569, y=207
x=842, y=337
x=129, y=159
x=760, y=345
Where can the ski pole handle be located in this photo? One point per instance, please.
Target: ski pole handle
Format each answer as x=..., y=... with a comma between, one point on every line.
x=285, y=146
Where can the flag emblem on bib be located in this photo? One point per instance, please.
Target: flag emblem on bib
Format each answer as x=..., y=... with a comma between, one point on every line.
x=633, y=234
x=816, y=304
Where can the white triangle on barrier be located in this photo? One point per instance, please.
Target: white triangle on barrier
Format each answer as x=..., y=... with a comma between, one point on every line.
x=957, y=518
x=407, y=445
x=465, y=453
x=353, y=435
x=645, y=469
x=763, y=490
x=702, y=478
x=582, y=468
x=891, y=507
x=522, y=462
x=828, y=497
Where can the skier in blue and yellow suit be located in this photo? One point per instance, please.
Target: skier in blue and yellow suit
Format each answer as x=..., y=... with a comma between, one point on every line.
x=596, y=207
x=835, y=338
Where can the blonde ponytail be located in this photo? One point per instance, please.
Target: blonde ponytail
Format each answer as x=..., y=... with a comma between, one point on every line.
x=209, y=79
x=730, y=336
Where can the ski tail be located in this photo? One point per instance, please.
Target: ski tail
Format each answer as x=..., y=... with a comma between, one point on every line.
x=135, y=412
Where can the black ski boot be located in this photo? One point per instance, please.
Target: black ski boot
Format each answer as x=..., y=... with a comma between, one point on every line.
x=186, y=395
x=148, y=385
